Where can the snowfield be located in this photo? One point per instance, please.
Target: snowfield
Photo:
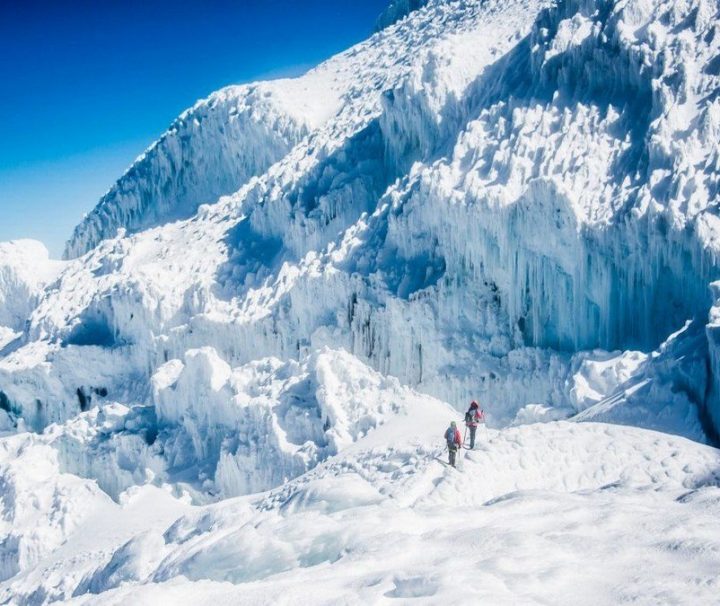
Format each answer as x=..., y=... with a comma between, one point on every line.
x=568, y=513
x=234, y=387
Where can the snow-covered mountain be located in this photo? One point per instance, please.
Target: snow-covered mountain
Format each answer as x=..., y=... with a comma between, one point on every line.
x=510, y=201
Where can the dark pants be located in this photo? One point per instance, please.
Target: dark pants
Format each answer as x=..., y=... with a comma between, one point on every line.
x=472, y=429
x=452, y=451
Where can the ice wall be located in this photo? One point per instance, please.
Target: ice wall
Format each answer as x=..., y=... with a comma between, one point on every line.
x=495, y=187
x=567, y=181
x=396, y=10
x=713, y=337
x=210, y=150
x=25, y=270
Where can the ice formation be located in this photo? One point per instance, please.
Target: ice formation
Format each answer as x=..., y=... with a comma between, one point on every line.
x=396, y=10
x=463, y=201
x=210, y=150
x=256, y=426
x=25, y=271
x=512, y=201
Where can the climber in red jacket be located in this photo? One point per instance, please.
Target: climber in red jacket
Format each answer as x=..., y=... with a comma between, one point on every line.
x=473, y=417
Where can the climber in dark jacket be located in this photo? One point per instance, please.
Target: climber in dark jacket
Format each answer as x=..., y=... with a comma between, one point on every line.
x=454, y=441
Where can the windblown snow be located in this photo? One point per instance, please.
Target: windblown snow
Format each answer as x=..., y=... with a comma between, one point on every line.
x=237, y=381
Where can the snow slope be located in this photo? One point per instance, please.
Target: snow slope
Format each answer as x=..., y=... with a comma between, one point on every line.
x=509, y=201
x=557, y=511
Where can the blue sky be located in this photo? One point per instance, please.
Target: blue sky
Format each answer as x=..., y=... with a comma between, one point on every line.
x=86, y=86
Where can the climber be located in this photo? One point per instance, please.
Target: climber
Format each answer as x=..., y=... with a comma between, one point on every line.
x=454, y=441
x=473, y=417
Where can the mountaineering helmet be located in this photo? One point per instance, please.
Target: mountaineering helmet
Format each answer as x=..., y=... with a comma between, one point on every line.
x=473, y=404
x=453, y=424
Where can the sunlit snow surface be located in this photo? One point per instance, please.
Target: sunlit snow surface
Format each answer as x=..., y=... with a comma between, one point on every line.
x=221, y=396
x=562, y=512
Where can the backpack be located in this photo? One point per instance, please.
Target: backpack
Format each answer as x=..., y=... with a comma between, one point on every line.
x=468, y=417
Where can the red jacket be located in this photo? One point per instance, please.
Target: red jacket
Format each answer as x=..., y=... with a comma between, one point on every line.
x=456, y=439
x=477, y=417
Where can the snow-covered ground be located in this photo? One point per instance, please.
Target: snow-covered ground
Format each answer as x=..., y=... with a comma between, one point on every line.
x=566, y=513
x=465, y=201
x=236, y=383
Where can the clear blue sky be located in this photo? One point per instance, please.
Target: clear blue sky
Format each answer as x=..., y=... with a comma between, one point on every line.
x=86, y=86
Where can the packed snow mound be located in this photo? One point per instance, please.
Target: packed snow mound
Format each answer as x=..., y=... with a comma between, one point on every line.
x=67, y=531
x=665, y=390
x=40, y=505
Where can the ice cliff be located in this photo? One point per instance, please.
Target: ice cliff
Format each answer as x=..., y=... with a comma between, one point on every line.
x=210, y=150
x=396, y=10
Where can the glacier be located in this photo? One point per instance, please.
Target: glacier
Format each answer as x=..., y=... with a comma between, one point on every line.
x=464, y=215
x=257, y=326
